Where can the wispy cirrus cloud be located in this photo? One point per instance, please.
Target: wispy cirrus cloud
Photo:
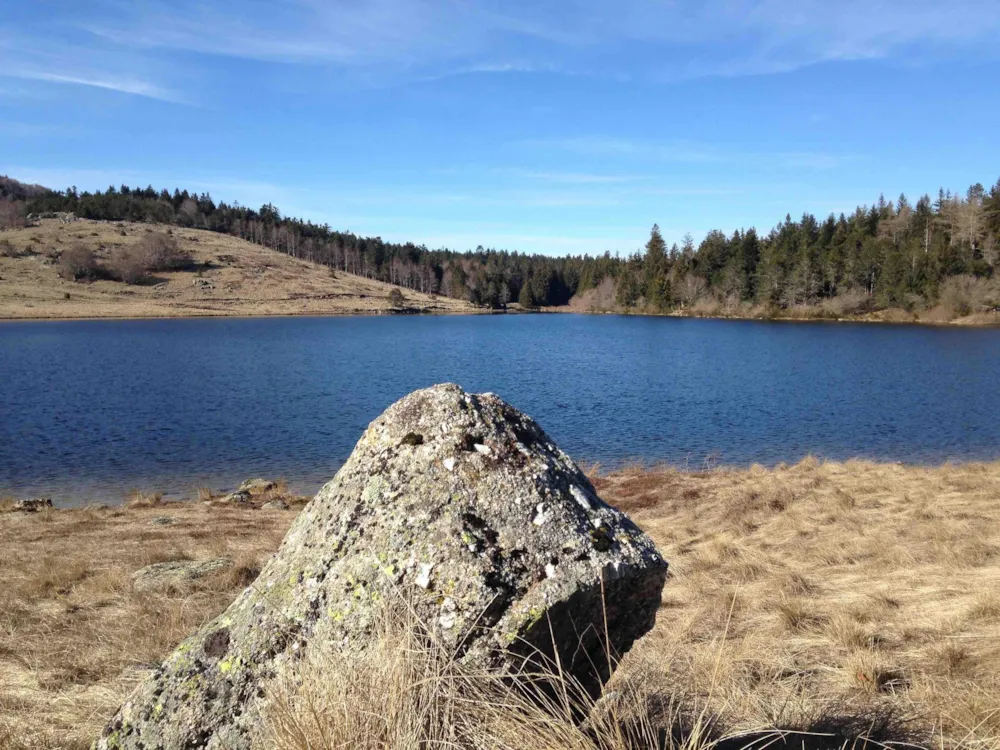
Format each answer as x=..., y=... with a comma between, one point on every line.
x=570, y=178
x=57, y=60
x=101, y=80
x=427, y=40
x=691, y=152
x=673, y=40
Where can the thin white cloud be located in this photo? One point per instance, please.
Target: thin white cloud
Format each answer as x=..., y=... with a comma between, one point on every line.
x=298, y=31
x=121, y=85
x=571, y=178
x=691, y=152
x=54, y=59
x=431, y=39
x=14, y=129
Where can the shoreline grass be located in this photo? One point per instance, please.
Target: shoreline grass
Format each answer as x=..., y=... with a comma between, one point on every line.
x=842, y=600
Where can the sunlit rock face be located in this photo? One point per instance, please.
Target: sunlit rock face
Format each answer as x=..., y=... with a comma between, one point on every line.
x=454, y=504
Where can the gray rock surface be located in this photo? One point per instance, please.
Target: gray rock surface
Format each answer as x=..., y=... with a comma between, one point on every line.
x=163, y=574
x=257, y=486
x=455, y=502
x=34, y=505
x=247, y=492
x=275, y=505
x=240, y=497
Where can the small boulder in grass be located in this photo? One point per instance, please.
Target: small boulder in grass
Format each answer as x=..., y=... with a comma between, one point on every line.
x=257, y=486
x=275, y=505
x=33, y=505
x=248, y=493
x=161, y=575
x=455, y=506
x=240, y=497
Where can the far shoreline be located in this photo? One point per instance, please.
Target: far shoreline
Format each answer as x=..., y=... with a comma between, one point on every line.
x=979, y=320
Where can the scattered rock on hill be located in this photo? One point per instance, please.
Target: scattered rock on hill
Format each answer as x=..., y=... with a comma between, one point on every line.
x=275, y=505
x=240, y=497
x=34, y=505
x=160, y=575
x=248, y=492
x=494, y=536
x=257, y=486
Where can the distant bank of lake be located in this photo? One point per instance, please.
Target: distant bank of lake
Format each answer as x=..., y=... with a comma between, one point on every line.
x=91, y=409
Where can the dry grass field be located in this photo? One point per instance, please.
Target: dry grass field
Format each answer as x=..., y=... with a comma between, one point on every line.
x=237, y=278
x=837, y=600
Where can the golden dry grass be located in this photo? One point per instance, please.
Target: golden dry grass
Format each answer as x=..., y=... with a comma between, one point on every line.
x=852, y=594
x=75, y=637
x=406, y=691
x=242, y=279
x=842, y=599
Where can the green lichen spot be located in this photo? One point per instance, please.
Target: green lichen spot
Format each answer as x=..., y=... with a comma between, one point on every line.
x=374, y=489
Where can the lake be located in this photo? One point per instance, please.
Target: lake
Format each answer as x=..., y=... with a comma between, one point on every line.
x=91, y=409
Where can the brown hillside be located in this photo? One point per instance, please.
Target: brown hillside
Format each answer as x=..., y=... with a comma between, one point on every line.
x=228, y=276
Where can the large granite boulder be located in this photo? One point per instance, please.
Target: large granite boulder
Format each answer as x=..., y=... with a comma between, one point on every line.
x=454, y=503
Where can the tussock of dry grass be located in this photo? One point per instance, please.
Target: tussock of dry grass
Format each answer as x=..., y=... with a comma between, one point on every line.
x=843, y=600
x=75, y=637
x=406, y=691
x=858, y=592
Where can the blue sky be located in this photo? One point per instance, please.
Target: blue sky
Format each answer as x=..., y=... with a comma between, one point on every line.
x=564, y=127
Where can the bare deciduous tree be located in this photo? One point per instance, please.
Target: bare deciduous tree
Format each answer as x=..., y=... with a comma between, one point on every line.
x=11, y=214
x=78, y=263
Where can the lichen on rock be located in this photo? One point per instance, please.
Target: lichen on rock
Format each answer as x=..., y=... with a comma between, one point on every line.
x=454, y=504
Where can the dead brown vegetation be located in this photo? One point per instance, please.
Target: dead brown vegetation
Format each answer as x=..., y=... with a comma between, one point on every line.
x=843, y=600
x=78, y=262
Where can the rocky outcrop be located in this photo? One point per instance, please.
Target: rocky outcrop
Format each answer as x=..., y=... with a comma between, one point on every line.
x=257, y=486
x=456, y=504
x=161, y=575
x=34, y=505
x=251, y=491
x=275, y=505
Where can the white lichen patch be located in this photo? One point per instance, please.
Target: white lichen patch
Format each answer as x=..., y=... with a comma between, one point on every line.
x=424, y=576
x=448, y=616
x=581, y=498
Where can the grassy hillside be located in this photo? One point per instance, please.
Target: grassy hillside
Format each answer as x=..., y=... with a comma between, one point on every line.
x=842, y=599
x=225, y=276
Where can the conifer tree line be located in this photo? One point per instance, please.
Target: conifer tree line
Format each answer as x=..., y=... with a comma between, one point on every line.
x=890, y=254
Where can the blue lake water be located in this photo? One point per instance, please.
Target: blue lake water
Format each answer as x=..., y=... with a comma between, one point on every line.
x=90, y=409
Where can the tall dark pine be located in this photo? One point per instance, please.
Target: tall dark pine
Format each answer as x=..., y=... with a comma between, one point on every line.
x=655, y=267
